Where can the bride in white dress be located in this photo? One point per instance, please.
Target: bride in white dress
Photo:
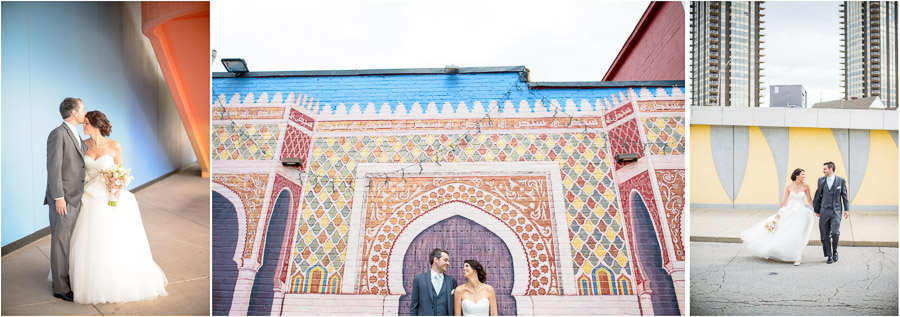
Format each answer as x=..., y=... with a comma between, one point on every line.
x=783, y=235
x=474, y=298
x=109, y=260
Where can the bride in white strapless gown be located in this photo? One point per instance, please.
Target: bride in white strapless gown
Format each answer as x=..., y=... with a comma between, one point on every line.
x=793, y=224
x=464, y=295
x=471, y=308
x=109, y=259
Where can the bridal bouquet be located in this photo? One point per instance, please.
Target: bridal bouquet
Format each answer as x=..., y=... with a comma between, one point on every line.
x=116, y=178
x=771, y=225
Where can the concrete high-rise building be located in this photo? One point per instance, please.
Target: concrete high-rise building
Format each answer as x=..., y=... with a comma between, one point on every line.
x=869, y=47
x=787, y=96
x=726, y=48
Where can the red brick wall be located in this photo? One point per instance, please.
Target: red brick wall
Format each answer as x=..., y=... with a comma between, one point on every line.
x=655, y=49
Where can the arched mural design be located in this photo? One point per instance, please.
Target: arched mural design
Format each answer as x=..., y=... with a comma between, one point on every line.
x=224, y=268
x=650, y=255
x=265, y=282
x=464, y=239
x=317, y=281
x=603, y=282
x=531, y=231
x=624, y=284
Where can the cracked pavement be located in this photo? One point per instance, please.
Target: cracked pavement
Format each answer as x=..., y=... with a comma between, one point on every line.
x=726, y=279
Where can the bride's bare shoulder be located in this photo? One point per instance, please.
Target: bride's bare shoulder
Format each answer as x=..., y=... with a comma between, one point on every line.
x=115, y=145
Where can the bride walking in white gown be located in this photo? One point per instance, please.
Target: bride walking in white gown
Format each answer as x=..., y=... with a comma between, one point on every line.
x=474, y=298
x=784, y=235
x=109, y=260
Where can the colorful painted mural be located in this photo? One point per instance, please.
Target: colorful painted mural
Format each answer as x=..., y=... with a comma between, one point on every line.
x=748, y=166
x=484, y=164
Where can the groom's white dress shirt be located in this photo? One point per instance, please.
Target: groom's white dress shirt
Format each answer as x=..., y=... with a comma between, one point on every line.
x=78, y=137
x=829, y=180
x=437, y=281
x=74, y=133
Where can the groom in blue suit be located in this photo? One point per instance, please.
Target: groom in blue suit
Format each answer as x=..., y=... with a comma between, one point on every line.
x=829, y=203
x=432, y=293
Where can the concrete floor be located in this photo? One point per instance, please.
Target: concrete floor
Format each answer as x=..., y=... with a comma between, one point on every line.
x=862, y=229
x=175, y=212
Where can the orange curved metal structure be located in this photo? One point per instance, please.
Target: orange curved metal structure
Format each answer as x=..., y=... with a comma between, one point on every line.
x=179, y=33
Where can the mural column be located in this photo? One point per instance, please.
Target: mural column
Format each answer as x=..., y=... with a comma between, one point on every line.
x=243, y=287
x=652, y=242
x=666, y=179
x=248, y=269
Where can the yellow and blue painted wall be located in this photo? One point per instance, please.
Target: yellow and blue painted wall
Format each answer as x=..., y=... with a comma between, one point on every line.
x=747, y=166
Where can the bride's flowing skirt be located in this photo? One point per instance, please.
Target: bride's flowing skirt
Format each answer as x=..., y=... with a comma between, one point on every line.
x=110, y=258
x=787, y=241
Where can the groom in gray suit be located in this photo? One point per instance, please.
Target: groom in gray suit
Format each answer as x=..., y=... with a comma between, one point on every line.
x=432, y=293
x=829, y=203
x=65, y=185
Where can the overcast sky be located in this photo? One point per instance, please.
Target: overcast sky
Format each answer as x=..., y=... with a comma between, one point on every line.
x=802, y=46
x=557, y=41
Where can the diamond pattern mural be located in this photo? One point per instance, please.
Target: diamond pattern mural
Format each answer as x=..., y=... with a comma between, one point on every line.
x=244, y=141
x=665, y=135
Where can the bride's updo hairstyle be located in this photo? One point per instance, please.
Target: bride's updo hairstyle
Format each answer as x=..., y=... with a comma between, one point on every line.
x=482, y=275
x=98, y=120
x=796, y=173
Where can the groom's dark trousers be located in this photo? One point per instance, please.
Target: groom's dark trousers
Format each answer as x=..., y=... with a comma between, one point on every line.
x=65, y=178
x=426, y=302
x=830, y=203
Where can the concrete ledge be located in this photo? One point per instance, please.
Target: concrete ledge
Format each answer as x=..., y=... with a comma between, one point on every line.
x=875, y=119
x=862, y=229
x=811, y=242
x=775, y=207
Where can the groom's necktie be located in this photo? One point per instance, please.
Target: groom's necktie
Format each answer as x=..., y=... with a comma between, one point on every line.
x=437, y=282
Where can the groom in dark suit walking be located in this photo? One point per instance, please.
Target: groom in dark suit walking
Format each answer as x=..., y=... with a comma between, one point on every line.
x=432, y=293
x=829, y=203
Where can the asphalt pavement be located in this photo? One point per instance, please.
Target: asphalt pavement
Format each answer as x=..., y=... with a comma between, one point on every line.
x=726, y=279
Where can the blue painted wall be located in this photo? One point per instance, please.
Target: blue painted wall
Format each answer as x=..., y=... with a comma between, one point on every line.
x=408, y=89
x=93, y=51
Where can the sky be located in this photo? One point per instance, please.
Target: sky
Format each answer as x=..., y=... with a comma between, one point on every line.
x=802, y=46
x=557, y=41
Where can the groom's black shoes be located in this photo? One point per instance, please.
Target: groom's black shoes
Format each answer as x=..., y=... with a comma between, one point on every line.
x=835, y=257
x=66, y=297
x=830, y=260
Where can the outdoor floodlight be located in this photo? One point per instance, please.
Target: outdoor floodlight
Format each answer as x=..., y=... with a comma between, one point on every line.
x=235, y=65
x=626, y=157
x=291, y=161
x=451, y=69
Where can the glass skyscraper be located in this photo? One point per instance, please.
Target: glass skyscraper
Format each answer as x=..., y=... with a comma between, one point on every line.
x=869, y=47
x=726, y=49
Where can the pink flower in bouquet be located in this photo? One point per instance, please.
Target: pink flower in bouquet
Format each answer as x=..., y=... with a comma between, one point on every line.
x=771, y=225
x=116, y=178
